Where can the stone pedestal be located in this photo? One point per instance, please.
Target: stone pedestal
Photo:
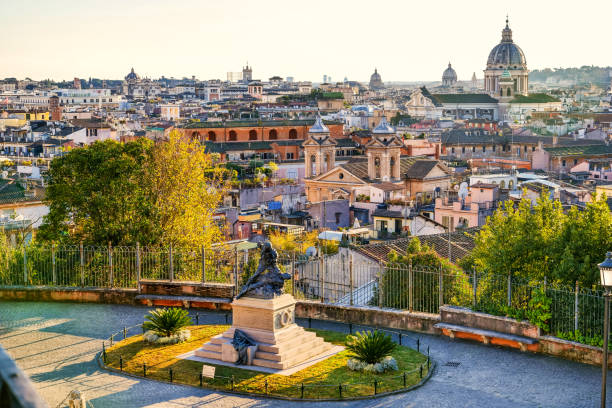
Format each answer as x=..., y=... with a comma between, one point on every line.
x=281, y=343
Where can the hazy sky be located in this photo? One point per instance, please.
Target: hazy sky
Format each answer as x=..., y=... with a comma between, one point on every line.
x=406, y=40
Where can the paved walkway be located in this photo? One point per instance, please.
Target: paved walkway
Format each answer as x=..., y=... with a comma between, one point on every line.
x=56, y=343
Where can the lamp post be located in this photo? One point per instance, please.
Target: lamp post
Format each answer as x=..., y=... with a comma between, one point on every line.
x=605, y=273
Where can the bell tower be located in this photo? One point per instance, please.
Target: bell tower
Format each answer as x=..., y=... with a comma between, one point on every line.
x=319, y=150
x=384, y=153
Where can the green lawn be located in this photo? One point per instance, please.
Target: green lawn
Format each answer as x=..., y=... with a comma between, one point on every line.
x=326, y=375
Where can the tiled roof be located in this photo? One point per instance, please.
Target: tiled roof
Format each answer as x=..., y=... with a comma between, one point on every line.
x=420, y=169
x=482, y=136
x=462, y=243
x=255, y=123
x=591, y=150
x=464, y=98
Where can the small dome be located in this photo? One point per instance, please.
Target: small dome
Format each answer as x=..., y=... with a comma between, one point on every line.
x=383, y=128
x=319, y=126
x=132, y=75
x=449, y=73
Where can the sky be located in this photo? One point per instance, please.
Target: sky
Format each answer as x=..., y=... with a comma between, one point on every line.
x=406, y=40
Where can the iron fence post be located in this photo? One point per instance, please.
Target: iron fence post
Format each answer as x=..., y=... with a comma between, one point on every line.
x=110, y=264
x=203, y=264
x=292, y=272
x=82, y=265
x=54, y=271
x=410, y=287
x=380, y=283
x=351, y=283
x=170, y=264
x=474, y=287
x=321, y=275
x=576, y=308
x=138, y=266
x=440, y=289
x=509, y=290
x=236, y=269
x=25, y=265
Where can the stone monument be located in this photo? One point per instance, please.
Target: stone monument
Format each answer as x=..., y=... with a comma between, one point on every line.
x=263, y=315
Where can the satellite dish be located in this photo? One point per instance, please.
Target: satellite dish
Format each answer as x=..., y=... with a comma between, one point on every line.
x=463, y=190
x=311, y=251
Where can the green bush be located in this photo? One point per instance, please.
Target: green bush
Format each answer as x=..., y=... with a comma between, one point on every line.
x=167, y=322
x=370, y=347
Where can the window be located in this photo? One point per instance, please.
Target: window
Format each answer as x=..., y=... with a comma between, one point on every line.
x=473, y=149
x=525, y=149
x=563, y=163
x=452, y=150
x=494, y=147
x=533, y=148
x=293, y=134
x=292, y=173
x=289, y=156
x=341, y=176
x=273, y=134
x=575, y=162
x=212, y=136
x=338, y=214
x=232, y=136
x=484, y=149
x=463, y=149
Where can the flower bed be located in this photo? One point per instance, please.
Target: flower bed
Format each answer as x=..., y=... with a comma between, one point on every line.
x=328, y=379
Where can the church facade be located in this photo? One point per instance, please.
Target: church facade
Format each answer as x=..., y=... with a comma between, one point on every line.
x=383, y=172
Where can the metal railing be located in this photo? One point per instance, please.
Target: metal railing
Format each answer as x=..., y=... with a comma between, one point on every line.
x=345, y=278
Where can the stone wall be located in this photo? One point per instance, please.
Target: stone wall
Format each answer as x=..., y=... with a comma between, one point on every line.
x=369, y=316
x=466, y=317
x=207, y=290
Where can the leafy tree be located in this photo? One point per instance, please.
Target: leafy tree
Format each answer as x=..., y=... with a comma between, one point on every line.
x=96, y=194
x=537, y=241
x=426, y=268
x=185, y=194
x=131, y=192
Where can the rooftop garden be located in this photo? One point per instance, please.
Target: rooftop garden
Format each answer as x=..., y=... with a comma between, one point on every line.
x=534, y=98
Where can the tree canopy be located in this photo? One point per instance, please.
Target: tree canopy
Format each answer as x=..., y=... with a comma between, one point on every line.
x=542, y=241
x=138, y=191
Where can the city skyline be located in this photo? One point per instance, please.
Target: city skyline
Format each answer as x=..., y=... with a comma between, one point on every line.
x=406, y=42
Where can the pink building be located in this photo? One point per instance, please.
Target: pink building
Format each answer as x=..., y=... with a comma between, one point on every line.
x=478, y=205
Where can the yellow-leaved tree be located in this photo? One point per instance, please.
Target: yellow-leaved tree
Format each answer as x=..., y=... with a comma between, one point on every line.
x=187, y=188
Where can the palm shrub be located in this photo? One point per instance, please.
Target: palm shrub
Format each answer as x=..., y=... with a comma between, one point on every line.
x=370, y=347
x=167, y=322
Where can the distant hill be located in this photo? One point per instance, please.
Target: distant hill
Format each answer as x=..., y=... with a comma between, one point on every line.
x=583, y=75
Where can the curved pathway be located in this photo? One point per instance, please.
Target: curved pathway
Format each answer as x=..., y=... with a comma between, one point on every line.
x=56, y=345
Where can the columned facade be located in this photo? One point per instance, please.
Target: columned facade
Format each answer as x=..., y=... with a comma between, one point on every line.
x=506, y=56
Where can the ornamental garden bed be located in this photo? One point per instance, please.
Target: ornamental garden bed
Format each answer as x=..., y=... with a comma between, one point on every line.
x=328, y=379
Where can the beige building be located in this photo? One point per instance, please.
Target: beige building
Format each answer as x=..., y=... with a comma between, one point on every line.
x=384, y=169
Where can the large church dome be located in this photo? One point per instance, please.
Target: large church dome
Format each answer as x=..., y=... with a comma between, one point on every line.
x=506, y=54
x=376, y=81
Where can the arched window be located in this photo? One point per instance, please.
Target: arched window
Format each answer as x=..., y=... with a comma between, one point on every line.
x=511, y=184
x=293, y=134
x=195, y=135
x=377, y=167
x=212, y=136
x=502, y=184
x=273, y=134
x=313, y=165
x=509, y=92
x=252, y=134
x=232, y=136
x=392, y=167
